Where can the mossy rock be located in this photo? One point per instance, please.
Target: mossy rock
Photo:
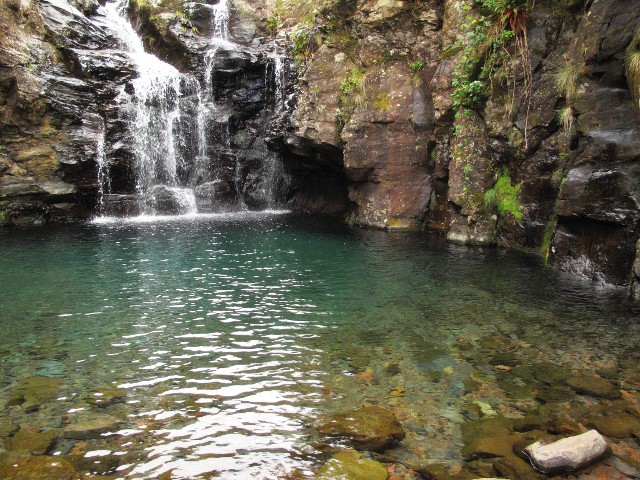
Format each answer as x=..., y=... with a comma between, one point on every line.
x=506, y=358
x=517, y=468
x=489, y=447
x=352, y=466
x=41, y=467
x=91, y=426
x=36, y=389
x=105, y=397
x=594, y=387
x=516, y=391
x=555, y=394
x=367, y=428
x=622, y=425
x=31, y=440
x=550, y=373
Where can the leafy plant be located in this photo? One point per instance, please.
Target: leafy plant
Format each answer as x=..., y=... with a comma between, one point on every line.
x=503, y=197
x=417, y=66
x=485, y=56
x=273, y=23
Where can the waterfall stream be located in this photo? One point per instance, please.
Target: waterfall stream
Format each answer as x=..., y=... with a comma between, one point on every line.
x=180, y=137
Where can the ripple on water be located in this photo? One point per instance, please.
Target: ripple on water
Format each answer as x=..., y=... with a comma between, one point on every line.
x=217, y=341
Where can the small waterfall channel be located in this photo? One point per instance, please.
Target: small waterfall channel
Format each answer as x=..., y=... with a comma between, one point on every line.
x=178, y=132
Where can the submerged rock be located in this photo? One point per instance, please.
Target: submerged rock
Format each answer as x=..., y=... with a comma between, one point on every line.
x=31, y=440
x=622, y=425
x=569, y=454
x=367, y=428
x=42, y=467
x=91, y=426
x=594, y=386
x=352, y=466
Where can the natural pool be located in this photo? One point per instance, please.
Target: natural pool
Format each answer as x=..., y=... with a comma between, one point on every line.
x=216, y=342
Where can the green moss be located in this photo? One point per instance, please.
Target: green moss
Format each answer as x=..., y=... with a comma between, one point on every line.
x=548, y=236
x=503, y=197
x=382, y=101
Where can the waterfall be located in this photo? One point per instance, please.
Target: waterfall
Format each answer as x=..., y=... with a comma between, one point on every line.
x=220, y=20
x=165, y=135
x=181, y=139
x=104, y=176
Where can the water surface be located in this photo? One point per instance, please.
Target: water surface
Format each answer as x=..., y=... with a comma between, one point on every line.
x=225, y=337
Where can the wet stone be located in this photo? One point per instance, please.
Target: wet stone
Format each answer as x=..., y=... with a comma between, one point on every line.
x=594, y=387
x=489, y=447
x=352, y=466
x=550, y=373
x=7, y=427
x=367, y=428
x=555, y=394
x=31, y=440
x=622, y=425
x=91, y=426
x=105, y=397
x=34, y=390
x=41, y=467
x=507, y=358
x=514, y=467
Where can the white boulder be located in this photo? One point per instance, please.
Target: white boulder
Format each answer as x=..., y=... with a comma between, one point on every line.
x=569, y=454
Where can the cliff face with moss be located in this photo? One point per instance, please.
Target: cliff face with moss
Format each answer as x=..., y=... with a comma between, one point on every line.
x=502, y=122
x=490, y=121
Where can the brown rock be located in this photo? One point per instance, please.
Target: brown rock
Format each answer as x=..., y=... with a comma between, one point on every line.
x=41, y=467
x=367, y=428
x=594, y=386
x=622, y=425
x=31, y=440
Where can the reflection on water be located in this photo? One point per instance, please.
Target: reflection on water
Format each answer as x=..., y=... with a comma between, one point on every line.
x=215, y=343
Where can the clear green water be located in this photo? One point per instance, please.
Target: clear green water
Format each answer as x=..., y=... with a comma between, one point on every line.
x=230, y=335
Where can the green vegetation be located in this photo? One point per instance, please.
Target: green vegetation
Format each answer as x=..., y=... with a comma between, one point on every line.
x=503, y=197
x=302, y=42
x=417, y=66
x=382, y=102
x=489, y=32
x=548, y=237
x=566, y=80
x=341, y=120
x=353, y=84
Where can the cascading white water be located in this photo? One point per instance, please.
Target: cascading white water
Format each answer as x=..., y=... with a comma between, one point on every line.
x=104, y=177
x=181, y=139
x=278, y=75
x=220, y=20
x=156, y=115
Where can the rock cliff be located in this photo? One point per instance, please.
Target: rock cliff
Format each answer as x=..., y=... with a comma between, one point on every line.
x=492, y=122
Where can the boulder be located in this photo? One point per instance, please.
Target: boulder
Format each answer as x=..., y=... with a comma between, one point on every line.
x=569, y=454
x=594, y=386
x=41, y=467
x=352, y=466
x=367, y=428
x=91, y=426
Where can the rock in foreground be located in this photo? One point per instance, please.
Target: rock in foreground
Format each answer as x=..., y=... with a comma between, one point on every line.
x=367, y=428
x=352, y=466
x=569, y=454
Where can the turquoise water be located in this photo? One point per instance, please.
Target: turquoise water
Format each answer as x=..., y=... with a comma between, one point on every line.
x=227, y=336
